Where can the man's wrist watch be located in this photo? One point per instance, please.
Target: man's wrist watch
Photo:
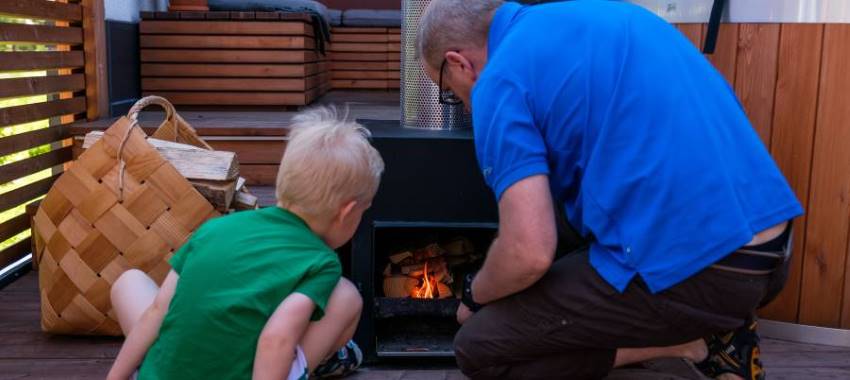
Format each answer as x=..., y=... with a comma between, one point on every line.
x=466, y=296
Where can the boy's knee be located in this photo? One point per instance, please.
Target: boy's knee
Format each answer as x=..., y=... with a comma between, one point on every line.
x=130, y=279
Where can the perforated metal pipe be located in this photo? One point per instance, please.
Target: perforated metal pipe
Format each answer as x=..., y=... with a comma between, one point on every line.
x=420, y=107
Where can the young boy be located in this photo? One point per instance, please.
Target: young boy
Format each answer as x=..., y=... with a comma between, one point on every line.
x=259, y=293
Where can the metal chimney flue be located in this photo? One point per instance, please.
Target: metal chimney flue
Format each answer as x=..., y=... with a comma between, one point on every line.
x=420, y=107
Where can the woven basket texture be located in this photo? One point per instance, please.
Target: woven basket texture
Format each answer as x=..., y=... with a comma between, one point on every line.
x=88, y=231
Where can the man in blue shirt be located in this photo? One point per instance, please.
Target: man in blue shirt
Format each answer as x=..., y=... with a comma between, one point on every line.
x=609, y=111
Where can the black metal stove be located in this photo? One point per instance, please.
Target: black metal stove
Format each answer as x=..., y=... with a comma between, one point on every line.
x=431, y=190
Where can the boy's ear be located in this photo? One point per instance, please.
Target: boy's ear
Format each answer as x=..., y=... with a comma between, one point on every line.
x=346, y=209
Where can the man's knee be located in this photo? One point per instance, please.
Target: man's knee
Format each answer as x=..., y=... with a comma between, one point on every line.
x=469, y=347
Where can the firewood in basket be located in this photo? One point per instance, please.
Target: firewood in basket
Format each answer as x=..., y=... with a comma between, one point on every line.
x=399, y=286
x=190, y=161
x=245, y=201
x=219, y=193
x=459, y=246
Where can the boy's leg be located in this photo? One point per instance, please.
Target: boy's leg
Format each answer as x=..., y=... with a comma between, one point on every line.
x=337, y=327
x=132, y=293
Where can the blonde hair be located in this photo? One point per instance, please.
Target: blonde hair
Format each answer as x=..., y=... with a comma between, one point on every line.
x=328, y=162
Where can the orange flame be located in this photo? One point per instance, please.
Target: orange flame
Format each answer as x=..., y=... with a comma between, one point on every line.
x=427, y=289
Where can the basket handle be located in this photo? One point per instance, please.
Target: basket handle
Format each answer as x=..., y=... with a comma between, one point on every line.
x=143, y=103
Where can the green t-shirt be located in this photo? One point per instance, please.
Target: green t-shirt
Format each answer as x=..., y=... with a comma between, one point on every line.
x=234, y=272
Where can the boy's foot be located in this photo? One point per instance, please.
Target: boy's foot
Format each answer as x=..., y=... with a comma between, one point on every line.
x=343, y=363
x=734, y=355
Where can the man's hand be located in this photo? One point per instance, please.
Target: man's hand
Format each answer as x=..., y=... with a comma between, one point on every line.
x=463, y=313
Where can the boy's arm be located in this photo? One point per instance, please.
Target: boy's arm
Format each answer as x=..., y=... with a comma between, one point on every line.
x=145, y=332
x=280, y=336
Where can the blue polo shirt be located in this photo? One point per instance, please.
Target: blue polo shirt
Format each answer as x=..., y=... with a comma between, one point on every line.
x=645, y=145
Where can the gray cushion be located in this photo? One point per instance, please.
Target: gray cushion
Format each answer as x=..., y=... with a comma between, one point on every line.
x=308, y=6
x=390, y=18
x=335, y=16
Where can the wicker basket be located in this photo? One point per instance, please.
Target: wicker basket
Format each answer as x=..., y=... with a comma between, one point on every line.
x=173, y=128
x=120, y=205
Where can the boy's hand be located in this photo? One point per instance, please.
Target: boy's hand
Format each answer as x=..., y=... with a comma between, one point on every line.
x=463, y=313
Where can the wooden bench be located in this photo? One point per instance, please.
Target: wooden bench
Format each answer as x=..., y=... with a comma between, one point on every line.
x=365, y=57
x=231, y=58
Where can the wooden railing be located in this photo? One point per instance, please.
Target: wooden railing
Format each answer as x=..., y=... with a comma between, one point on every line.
x=52, y=72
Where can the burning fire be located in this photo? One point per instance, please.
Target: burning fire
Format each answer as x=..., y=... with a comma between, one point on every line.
x=427, y=288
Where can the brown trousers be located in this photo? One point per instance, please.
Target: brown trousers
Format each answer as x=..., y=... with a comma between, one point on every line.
x=569, y=324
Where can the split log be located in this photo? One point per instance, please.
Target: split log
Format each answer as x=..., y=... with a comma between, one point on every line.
x=190, y=161
x=459, y=247
x=399, y=257
x=431, y=251
x=399, y=286
x=219, y=193
x=245, y=201
x=444, y=291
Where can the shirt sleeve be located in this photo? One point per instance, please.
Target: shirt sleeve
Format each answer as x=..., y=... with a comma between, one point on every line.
x=508, y=144
x=179, y=258
x=319, y=283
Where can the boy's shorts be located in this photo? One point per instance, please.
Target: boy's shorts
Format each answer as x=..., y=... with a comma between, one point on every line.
x=299, y=366
x=297, y=372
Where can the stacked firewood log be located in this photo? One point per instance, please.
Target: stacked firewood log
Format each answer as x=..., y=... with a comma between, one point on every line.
x=428, y=272
x=215, y=174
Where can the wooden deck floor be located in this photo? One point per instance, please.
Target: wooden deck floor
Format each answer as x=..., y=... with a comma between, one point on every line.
x=27, y=353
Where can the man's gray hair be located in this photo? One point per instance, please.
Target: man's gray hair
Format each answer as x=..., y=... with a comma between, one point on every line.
x=453, y=25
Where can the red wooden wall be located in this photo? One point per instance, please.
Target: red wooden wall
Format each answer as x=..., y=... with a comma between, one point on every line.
x=793, y=80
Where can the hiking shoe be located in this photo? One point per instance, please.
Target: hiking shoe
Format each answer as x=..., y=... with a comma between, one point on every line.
x=343, y=363
x=736, y=352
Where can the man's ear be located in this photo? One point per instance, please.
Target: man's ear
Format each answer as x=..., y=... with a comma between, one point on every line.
x=345, y=210
x=457, y=60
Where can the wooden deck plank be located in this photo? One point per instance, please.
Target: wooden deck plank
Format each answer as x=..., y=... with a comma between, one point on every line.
x=82, y=369
x=226, y=28
x=29, y=353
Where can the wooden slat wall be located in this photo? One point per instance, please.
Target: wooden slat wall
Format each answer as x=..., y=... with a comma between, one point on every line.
x=792, y=80
x=74, y=87
x=365, y=58
x=231, y=58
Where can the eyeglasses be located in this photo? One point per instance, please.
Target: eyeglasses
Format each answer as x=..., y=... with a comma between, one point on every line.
x=446, y=96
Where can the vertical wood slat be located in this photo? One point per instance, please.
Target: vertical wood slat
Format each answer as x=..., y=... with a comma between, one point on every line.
x=755, y=74
x=94, y=47
x=792, y=139
x=837, y=58
x=726, y=54
x=826, y=242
